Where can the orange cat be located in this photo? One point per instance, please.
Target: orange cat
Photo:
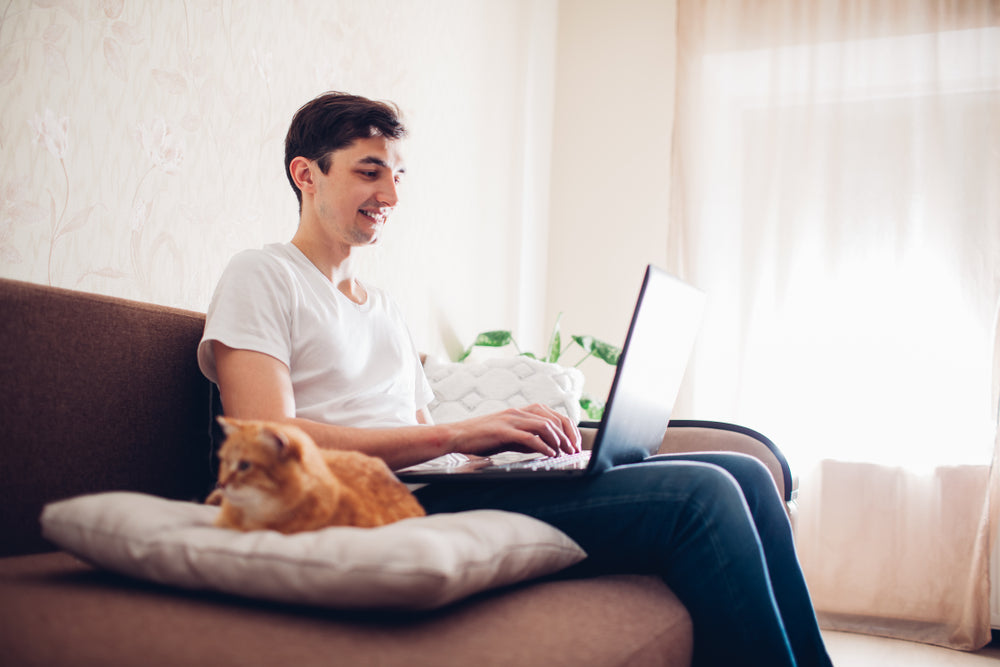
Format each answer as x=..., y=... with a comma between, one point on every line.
x=273, y=476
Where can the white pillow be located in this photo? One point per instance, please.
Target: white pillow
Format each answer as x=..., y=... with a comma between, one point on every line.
x=470, y=389
x=418, y=563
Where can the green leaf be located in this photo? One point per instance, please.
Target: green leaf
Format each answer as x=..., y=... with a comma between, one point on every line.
x=497, y=338
x=604, y=351
x=555, y=343
x=593, y=408
x=528, y=354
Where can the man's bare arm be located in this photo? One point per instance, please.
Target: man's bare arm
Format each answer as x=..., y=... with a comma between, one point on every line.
x=257, y=386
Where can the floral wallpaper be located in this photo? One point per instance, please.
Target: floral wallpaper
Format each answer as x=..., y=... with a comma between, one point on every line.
x=141, y=141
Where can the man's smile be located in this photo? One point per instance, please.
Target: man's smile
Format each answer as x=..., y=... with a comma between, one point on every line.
x=378, y=216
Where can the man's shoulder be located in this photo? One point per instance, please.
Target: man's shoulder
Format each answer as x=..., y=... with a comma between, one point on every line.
x=268, y=259
x=271, y=253
x=380, y=297
x=257, y=269
x=382, y=301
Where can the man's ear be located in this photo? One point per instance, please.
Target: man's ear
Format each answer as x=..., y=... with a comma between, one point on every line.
x=301, y=171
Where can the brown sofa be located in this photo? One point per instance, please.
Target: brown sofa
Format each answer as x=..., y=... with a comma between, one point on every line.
x=102, y=394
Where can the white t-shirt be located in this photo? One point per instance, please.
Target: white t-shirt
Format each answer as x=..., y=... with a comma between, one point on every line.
x=350, y=364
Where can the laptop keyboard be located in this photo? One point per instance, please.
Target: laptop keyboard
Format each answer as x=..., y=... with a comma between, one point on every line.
x=564, y=462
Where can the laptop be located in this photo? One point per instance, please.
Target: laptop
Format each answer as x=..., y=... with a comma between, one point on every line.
x=660, y=338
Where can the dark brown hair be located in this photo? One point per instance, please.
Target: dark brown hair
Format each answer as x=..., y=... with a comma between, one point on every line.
x=333, y=121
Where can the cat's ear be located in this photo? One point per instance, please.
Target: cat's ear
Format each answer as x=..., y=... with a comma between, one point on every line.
x=285, y=446
x=227, y=424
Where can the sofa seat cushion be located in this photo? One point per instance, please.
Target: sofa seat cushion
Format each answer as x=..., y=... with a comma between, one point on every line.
x=58, y=611
x=418, y=563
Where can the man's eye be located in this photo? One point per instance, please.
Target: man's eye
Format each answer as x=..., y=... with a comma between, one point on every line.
x=369, y=174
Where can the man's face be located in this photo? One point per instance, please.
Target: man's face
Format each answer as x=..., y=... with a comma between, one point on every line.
x=354, y=199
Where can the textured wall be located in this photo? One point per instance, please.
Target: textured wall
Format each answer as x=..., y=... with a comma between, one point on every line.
x=610, y=184
x=141, y=143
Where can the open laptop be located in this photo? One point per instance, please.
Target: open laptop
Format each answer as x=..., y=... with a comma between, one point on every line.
x=660, y=337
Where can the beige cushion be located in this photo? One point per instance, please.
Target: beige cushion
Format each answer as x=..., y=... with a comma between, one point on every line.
x=413, y=564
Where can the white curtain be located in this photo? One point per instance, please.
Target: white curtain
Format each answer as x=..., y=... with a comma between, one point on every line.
x=836, y=192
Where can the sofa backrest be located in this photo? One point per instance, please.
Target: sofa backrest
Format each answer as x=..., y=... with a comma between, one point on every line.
x=98, y=394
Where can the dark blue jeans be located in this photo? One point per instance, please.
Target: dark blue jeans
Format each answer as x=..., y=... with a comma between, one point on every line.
x=712, y=525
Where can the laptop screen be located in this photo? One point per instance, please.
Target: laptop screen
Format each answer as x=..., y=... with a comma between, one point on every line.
x=662, y=332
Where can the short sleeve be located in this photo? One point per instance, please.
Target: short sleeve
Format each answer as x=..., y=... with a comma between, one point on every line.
x=250, y=310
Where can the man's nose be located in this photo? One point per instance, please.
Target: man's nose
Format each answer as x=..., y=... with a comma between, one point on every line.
x=387, y=194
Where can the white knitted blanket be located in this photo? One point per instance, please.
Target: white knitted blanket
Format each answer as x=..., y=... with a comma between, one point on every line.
x=471, y=389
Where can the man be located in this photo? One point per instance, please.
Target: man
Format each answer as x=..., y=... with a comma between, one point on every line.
x=294, y=335
x=344, y=205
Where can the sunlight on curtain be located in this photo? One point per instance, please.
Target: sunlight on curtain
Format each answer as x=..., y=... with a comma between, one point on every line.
x=837, y=194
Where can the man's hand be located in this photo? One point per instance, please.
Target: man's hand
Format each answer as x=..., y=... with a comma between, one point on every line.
x=535, y=428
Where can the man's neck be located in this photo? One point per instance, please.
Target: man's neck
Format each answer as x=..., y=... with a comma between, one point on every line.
x=335, y=264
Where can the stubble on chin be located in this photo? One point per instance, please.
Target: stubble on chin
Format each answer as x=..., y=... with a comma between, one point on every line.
x=367, y=236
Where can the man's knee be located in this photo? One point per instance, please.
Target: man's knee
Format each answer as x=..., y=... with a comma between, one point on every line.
x=750, y=469
x=705, y=484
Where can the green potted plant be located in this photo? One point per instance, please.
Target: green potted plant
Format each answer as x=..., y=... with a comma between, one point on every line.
x=590, y=347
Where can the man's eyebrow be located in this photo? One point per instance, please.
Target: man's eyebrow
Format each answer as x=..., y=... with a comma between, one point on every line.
x=371, y=159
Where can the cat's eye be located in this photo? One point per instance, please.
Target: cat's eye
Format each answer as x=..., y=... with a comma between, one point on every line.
x=243, y=466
